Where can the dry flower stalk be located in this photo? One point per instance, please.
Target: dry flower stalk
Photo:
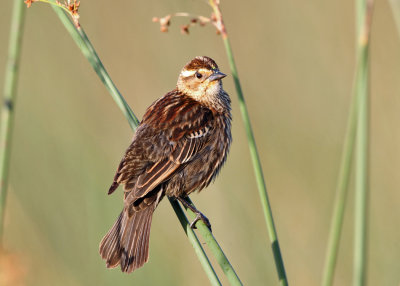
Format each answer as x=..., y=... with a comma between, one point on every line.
x=71, y=7
x=165, y=21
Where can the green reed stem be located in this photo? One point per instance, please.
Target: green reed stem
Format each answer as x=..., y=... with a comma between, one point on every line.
x=361, y=183
x=353, y=125
x=262, y=188
x=87, y=49
x=10, y=92
x=364, y=16
x=341, y=191
x=216, y=249
x=196, y=243
x=89, y=52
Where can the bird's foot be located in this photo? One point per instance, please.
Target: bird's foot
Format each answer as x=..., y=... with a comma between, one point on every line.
x=199, y=215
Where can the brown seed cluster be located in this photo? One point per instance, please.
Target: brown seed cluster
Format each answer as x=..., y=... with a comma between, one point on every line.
x=29, y=2
x=215, y=19
x=71, y=7
x=165, y=22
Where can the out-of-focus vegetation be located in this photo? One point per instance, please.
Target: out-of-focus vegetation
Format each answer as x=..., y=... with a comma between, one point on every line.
x=296, y=62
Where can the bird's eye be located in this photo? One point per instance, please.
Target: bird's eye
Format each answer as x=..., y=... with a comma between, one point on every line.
x=199, y=75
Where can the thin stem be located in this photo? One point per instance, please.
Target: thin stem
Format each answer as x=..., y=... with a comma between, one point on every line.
x=361, y=183
x=216, y=250
x=10, y=91
x=87, y=49
x=352, y=129
x=364, y=15
x=341, y=191
x=212, y=276
x=188, y=15
x=262, y=189
x=79, y=36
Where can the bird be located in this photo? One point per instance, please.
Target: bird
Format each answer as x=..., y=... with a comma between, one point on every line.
x=179, y=147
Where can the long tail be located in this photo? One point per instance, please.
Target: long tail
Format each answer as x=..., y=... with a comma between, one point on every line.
x=127, y=242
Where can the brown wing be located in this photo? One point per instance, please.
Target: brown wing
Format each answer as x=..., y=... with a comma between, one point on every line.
x=153, y=176
x=160, y=171
x=172, y=132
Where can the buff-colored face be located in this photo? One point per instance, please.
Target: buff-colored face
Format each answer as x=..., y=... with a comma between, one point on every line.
x=201, y=79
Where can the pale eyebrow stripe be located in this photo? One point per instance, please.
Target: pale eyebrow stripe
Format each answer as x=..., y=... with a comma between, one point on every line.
x=187, y=73
x=204, y=71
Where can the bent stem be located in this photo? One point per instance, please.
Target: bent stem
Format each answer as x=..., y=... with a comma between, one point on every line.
x=89, y=52
x=262, y=189
x=10, y=92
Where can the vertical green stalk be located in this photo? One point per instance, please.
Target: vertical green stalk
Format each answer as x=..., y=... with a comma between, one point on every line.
x=10, y=91
x=364, y=11
x=262, y=189
x=341, y=192
x=89, y=52
x=353, y=125
x=361, y=183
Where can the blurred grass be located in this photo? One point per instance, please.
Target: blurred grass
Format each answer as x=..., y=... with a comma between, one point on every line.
x=296, y=60
x=358, y=122
x=8, y=105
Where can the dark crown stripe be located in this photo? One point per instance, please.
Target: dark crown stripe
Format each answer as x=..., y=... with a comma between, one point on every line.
x=201, y=62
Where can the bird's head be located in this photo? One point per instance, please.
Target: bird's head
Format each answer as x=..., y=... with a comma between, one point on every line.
x=201, y=79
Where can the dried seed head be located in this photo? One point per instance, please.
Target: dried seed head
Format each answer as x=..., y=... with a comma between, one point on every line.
x=185, y=29
x=203, y=20
x=73, y=9
x=214, y=17
x=193, y=20
x=29, y=2
x=70, y=6
x=164, y=23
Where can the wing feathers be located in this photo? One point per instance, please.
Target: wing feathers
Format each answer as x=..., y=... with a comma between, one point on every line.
x=154, y=176
x=160, y=146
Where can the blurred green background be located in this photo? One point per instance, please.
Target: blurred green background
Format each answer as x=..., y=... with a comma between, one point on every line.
x=296, y=62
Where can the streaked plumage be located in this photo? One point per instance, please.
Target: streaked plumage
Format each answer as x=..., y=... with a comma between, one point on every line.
x=179, y=147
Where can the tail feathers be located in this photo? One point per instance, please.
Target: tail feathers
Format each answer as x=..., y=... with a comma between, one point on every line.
x=127, y=242
x=110, y=245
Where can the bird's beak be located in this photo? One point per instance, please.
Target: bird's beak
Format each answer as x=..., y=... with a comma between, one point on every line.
x=216, y=76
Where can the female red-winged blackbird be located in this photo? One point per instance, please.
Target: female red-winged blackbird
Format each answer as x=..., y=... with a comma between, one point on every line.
x=179, y=147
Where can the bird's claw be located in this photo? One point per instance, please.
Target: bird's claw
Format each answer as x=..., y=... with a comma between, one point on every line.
x=203, y=218
x=199, y=215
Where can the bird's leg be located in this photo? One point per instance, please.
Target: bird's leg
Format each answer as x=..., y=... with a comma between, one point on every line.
x=199, y=215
